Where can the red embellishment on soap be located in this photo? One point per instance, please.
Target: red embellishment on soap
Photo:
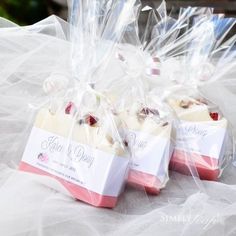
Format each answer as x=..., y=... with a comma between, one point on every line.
x=91, y=120
x=214, y=115
x=69, y=108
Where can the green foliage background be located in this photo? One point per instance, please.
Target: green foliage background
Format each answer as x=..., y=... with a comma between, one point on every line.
x=23, y=11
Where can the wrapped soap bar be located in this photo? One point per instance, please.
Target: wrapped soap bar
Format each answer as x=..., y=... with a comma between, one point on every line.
x=75, y=137
x=201, y=137
x=202, y=144
x=80, y=151
x=148, y=137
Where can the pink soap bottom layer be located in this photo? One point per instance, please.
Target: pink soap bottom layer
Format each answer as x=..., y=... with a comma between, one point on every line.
x=207, y=167
x=76, y=191
x=150, y=183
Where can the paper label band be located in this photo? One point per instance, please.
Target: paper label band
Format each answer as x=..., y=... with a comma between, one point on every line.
x=204, y=139
x=76, y=163
x=150, y=154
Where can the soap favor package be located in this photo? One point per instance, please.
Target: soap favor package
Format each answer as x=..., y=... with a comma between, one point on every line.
x=201, y=137
x=75, y=138
x=203, y=134
x=148, y=137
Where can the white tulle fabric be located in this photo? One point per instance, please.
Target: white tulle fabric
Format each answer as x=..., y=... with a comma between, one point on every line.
x=30, y=60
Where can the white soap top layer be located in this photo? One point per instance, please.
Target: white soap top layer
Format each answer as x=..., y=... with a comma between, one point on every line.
x=67, y=126
x=195, y=112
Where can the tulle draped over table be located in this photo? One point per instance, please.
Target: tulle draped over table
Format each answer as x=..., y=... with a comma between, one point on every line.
x=29, y=206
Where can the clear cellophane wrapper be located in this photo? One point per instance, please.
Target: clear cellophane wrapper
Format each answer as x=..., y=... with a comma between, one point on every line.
x=75, y=137
x=204, y=137
x=29, y=204
x=148, y=136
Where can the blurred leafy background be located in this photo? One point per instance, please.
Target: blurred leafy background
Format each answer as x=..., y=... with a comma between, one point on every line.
x=23, y=11
x=30, y=11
